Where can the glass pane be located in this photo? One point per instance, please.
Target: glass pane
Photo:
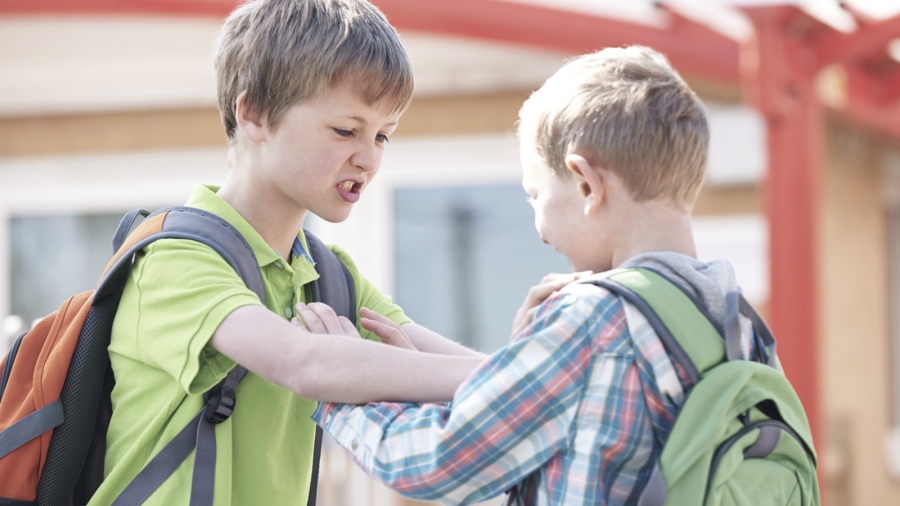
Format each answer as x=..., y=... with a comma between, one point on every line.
x=465, y=258
x=55, y=257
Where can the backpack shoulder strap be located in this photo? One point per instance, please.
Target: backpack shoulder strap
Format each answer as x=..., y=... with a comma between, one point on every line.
x=686, y=333
x=654, y=293
x=335, y=285
x=207, y=228
x=662, y=303
x=180, y=223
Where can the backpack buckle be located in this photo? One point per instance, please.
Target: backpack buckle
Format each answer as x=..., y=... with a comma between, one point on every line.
x=220, y=405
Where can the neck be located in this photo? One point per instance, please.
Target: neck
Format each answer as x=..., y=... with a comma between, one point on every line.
x=266, y=211
x=654, y=226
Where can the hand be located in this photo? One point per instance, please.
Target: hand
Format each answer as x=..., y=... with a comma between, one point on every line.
x=538, y=293
x=321, y=319
x=388, y=331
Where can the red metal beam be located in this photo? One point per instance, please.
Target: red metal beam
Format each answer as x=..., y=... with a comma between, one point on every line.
x=860, y=17
x=872, y=102
x=870, y=39
x=694, y=52
x=781, y=84
x=892, y=86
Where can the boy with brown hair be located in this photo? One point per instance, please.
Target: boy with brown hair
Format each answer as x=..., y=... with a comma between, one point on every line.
x=309, y=92
x=574, y=410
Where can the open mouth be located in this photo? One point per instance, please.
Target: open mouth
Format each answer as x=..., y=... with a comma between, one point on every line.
x=349, y=190
x=350, y=186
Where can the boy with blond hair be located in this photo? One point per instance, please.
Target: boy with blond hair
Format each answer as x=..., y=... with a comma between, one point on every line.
x=309, y=92
x=574, y=410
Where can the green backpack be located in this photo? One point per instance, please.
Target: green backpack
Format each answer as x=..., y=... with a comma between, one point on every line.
x=741, y=436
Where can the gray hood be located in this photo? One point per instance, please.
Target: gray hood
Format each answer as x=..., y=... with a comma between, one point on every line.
x=707, y=282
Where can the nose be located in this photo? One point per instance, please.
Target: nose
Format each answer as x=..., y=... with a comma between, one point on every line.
x=367, y=157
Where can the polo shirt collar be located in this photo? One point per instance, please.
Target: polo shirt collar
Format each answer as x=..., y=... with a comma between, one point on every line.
x=205, y=197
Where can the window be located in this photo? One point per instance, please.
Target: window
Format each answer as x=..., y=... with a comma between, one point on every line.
x=54, y=257
x=465, y=258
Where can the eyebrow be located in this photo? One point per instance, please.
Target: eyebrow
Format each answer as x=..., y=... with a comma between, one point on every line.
x=362, y=120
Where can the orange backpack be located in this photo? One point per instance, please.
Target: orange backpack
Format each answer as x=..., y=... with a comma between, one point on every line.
x=56, y=379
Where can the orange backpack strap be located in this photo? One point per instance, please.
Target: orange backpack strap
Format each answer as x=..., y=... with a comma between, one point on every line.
x=63, y=363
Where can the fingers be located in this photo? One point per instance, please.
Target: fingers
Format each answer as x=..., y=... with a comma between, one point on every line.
x=522, y=319
x=347, y=326
x=538, y=293
x=378, y=317
x=321, y=319
x=551, y=283
x=389, y=332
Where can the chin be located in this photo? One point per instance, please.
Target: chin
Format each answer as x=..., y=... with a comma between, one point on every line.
x=336, y=219
x=333, y=217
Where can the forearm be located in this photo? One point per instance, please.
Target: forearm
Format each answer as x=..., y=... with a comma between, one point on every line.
x=352, y=370
x=334, y=367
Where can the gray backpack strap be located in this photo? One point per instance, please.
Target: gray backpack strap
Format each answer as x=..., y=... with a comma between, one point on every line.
x=660, y=300
x=635, y=287
x=199, y=433
x=31, y=426
x=654, y=493
x=334, y=287
x=194, y=224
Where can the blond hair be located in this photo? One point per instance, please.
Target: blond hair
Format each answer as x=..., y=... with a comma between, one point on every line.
x=281, y=52
x=627, y=110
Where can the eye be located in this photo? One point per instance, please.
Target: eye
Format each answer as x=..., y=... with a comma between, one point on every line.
x=382, y=138
x=342, y=132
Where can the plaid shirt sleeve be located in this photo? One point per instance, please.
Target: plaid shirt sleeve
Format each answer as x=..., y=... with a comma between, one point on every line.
x=512, y=416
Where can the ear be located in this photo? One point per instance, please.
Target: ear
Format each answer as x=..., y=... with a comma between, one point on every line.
x=590, y=182
x=248, y=120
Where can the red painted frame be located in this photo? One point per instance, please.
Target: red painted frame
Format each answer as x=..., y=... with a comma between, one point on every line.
x=693, y=51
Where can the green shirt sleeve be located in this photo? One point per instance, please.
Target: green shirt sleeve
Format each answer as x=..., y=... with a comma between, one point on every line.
x=177, y=296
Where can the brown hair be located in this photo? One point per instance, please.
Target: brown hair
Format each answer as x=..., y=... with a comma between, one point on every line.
x=627, y=110
x=282, y=52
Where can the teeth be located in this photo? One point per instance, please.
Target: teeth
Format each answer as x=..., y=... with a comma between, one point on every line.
x=347, y=186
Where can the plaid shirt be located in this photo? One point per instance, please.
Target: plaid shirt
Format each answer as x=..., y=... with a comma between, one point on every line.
x=571, y=412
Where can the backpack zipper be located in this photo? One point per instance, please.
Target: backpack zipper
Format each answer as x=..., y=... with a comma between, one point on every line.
x=728, y=443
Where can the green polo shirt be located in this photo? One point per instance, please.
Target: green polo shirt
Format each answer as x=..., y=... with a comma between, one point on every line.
x=178, y=293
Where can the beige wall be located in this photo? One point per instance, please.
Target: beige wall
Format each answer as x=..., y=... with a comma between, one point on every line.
x=110, y=132
x=183, y=128
x=855, y=358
